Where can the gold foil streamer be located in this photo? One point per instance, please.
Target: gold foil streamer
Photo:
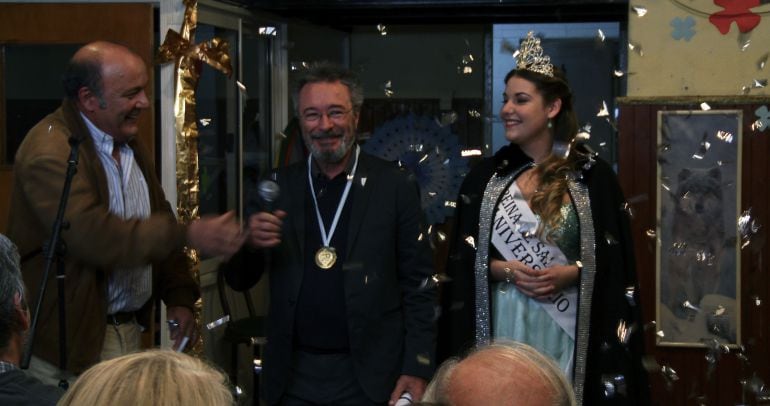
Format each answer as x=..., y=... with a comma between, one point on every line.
x=187, y=56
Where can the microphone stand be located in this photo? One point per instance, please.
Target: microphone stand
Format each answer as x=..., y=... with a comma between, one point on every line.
x=55, y=249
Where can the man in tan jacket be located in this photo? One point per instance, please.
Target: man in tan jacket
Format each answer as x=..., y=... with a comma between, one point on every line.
x=123, y=245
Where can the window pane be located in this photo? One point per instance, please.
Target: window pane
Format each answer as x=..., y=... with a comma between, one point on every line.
x=32, y=81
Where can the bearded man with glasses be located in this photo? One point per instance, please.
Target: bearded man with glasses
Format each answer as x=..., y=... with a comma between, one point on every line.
x=351, y=318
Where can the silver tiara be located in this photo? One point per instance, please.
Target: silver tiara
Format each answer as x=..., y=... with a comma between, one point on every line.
x=530, y=57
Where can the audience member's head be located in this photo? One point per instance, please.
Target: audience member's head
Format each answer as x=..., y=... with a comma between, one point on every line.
x=14, y=317
x=509, y=374
x=156, y=377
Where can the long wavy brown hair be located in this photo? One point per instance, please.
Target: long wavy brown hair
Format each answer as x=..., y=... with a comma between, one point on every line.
x=549, y=196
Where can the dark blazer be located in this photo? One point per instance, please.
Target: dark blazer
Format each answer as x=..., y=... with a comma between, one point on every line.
x=390, y=307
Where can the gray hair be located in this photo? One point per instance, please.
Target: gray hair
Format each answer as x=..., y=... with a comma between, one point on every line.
x=10, y=284
x=83, y=73
x=509, y=353
x=327, y=72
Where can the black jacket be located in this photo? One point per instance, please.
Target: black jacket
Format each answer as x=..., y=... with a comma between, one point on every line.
x=18, y=388
x=390, y=310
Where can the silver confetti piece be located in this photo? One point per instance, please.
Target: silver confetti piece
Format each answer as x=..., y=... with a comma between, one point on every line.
x=725, y=136
x=626, y=207
x=747, y=227
x=614, y=385
x=218, y=322
x=690, y=306
x=669, y=373
x=630, y=295
x=603, y=111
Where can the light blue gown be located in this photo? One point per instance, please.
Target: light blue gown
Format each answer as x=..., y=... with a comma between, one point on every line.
x=517, y=317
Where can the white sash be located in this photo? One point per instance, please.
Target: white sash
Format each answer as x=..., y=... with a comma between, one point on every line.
x=513, y=236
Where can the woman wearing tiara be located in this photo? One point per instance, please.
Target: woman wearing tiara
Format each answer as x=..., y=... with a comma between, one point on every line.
x=542, y=252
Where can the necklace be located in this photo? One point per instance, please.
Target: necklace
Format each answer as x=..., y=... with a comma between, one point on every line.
x=326, y=256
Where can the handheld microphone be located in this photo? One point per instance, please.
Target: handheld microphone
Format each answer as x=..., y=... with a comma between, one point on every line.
x=268, y=191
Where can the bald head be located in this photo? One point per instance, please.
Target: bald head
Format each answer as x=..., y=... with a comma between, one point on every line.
x=501, y=374
x=107, y=83
x=86, y=67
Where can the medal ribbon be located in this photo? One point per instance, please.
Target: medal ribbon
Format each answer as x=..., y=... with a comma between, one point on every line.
x=326, y=239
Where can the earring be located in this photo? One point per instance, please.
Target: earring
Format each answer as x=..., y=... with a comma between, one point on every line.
x=550, y=123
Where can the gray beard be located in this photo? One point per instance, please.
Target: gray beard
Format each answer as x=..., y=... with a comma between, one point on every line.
x=332, y=157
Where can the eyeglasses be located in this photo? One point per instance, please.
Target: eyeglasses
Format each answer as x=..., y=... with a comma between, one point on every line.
x=333, y=115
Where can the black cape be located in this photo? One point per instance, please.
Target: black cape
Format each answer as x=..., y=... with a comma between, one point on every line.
x=615, y=296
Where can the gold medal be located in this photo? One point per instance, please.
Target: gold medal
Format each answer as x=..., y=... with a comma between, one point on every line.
x=325, y=257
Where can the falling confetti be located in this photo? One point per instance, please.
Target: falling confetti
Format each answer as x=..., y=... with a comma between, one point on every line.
x=630, y=295
x=747, y=227
x=745, y=45
x=383, y=30
x=651, y=234
x=388, y=87
x=669, y=373
x=447, y=118
x=474, y=113
x=600, y=35
x=636, y=48
x=205, y=122
x=626, y=207
x=678, y=249
x=762, y=62
x=614, y=385
x=725, y=136
x=241, y=87
x=257, y=366
x=610, y=239
x=623, y=332
x=603, y=111
x=271, y=31
x=434, y=280
x=618, y=73
x=470, y=152
x=640, y=11
x=759, y=83
x=218, y=322
x=705, y=106
x=690, y=306
x=471, y=241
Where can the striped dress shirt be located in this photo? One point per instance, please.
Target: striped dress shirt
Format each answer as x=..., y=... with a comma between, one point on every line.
x=128, y=288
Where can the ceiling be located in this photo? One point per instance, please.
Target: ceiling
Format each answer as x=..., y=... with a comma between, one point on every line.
x=346, y=13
